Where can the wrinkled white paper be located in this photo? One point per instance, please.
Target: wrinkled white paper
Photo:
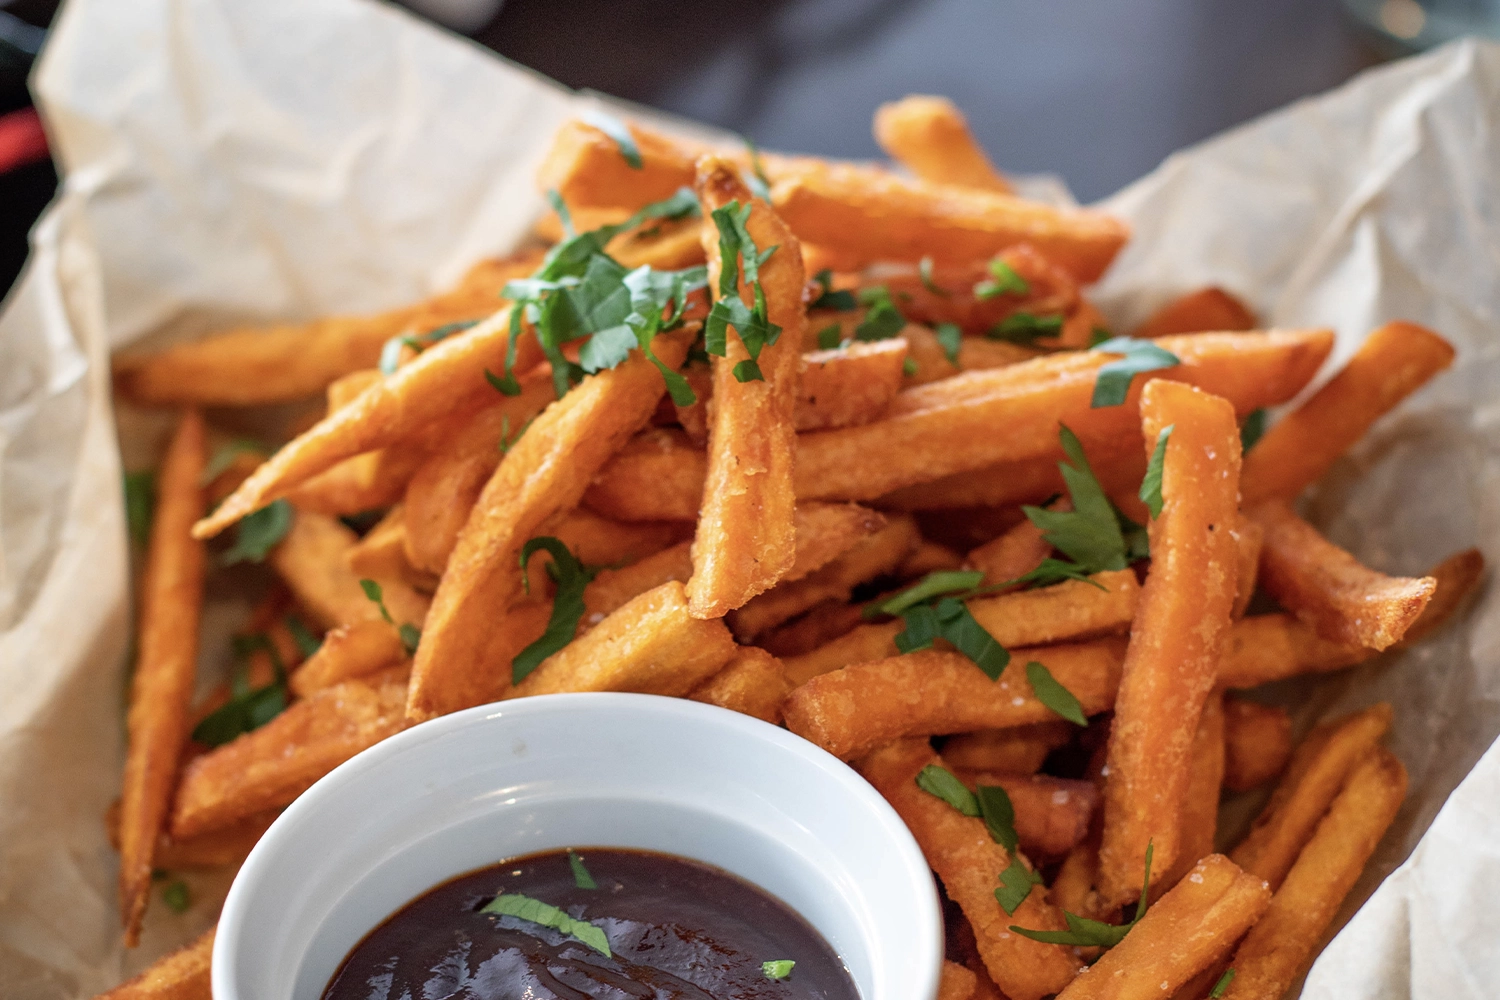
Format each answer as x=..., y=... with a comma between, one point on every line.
x=288, y=158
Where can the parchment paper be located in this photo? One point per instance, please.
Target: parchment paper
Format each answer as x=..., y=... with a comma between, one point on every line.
x=278, y=159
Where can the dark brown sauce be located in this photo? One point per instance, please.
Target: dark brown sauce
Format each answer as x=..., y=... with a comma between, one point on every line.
x=678, y=930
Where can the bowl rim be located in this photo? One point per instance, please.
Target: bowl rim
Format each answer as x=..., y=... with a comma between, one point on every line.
x=255, y=868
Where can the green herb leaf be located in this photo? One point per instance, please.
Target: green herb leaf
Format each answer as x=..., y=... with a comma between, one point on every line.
x=884, y=320
x=970, y=638
x=390, y=352
x=924, y=271
x=1252, y=429
x=941, y=782
x=409, y=633
x=224, y=456
x=258, y=533
x=1052, y=571
x=507, y=440
x=1026, y=329
x=1151, y=486
x=555, y=198
x=950, y=338
x=830, y=337
x=1085, y=933
x=737, y=251
x=1222, y=986
x=778, y=969
x=176, y=896
x=571, y=577
x=999, y=815
x=140, y=499
x=1089, y=534
x=842, y=301
x=758, y=183
x=513, y=904
x=247, y=708
x=1113, y=382
x=1016, y=883
x=993, y=805
x=932, y=585
x=616, y=130
x=1052, y=694
x=581, y=877
x=908, y=366
x=1098, y=335
x=507, y=386
x=307, y=642
x=1003, y=281
x=411, y=637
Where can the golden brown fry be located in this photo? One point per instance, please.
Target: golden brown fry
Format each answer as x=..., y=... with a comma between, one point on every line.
x=651, y=644
x=746, y=540
x=849, y=712
x=754, y=683
x=1249, y=537
x=956, y=982
x=1017, y=750
x=968, y=862
x=929, y=557
x=613, y=588
x=1257, y=743
x=1179, y=629
x=930, y=137
x=462, y=657
x=663, y=244
x=598, y=541
x=181, y=975
x=1326, y=587
x=1205, y=310
x=355, y=650
x=274, y=764
x=820, y=624
x=1117, y=464
x=346, y=387
x=849, y=385
x=381, y=553
x=1052, y=814
x=216, y=849
x=161, y=689
x=1392, y=363
x=974, y=354
x=1264, y=648
x=1319, y=768
x=1457, y=577
x=584, y=165
x=949, y=295
x=658, y=476
x=1279, y=948
x=1200, y=806
x=825, y=531
x=370, y=481
x=313, y=560
x=1188, y=930
x=1073, y=888
x=1010, y=556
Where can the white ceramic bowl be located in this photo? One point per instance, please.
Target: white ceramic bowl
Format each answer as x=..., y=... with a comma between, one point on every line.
x=579, y=770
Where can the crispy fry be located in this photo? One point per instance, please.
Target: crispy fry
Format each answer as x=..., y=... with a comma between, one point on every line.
x=1319, y=768
x=1179, y=629
x=851, y=711
x=754, y=683
x=1392, y=363
x=1189, y=929
x=1457, y=577
x=1073, y=888
x=1200, y=806
x=346, y=387
x=873, y=556
x=1050, y=291
x=181, y=975
x=663, y=244
x=215, y=849
x=974, y=354
x=968, y=862
x=1249, y=537
x=1017, y=750
x=1257, y=743
x=930, y=137
x=1052, y=814
x=313, y=560
x=956, y=982
x=354, y=650
x=274, y=764
x=825, y=531
x=1205, y=310
x=461, y=657
x=850, y=385
x=651, y=644
x=381, y=553
x=1265, y=648
x=585, y=166
x=447, y=378
x=929, y=557
x=1328, y=588
x=365, y=482
x=613, y=588
x=1010, y=556
x=822, y=623
x=658, y=476
x=1070, y=610
x=161, y=690
x=746, y=540
x=1117, y=463
x=598, y=541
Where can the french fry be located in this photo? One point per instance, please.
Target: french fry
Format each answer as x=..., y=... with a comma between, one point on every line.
x=1117, y=464
x=313, y=560
x=1264, y=648
x=746, y=540
x=1320, y=766
x=820, y=624
x=585, y=167
x=968, y=862
x=346, y=387
x=180, y=975
x=662, y=244
x=598, y=541
x=956, y=982
x=270, y=766
x=753, y=682
x=161, y=689
x=658, y=476
x=1179, y=629
x=1017, y=750
x=1257, y=743
x=1200, y=806
x=1457, y=577
x=849, y=385
x=872, y=557
x=1188, y=929
x=349, y=651
x=1070, y=610
x=1011, y=555
x=933, y=692
x=651, y=644
x=461, y=657
x=930, y=137
x=613, y=588
x=825, y=531
x=974, y=354
x=1052, y=814
x=1327, y=588
x=1073, y=887
x=215, y=849
x=875, y=217
x=370, y=481
x=446, y=378
x=929, y=557
x=1393, y=362
x=1280, y=946
x=381, y=553
x=947, y=295
x=1205, y=310
x=1249, y=537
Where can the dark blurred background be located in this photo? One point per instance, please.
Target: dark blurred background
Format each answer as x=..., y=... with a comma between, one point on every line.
x=1098, y=92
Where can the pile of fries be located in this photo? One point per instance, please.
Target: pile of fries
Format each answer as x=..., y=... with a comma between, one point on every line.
x=839, y=447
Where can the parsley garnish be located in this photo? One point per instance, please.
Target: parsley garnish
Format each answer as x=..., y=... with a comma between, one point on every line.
x=778, y=969
x=571, y=577
x=257, y=533
x=176, y=896
x=1222, y=986
x=581, y=877
x=410, y=634
x=950, y=338
x=884, y=320
x=737, y=250
x=390, y=353
x=1026, y=329
x=1252, y=429
x=224, y=457
x=507, y=441
x=1113, y=382
x=307, y=643
x=1003, y=280
x=930, y=586
x=1098, y=335
x=934, y=608
x=140, y=499
x=924, y=271
x=830, y=337
x=828, y=298
x=757, y=181
x=1052, y=694
x=1085, y=933
x=1089, y=534
x=616, y=130
x=513, y=904
x=1151, y=486
x=1051, y=571
x=993, y=805
x=247, y=708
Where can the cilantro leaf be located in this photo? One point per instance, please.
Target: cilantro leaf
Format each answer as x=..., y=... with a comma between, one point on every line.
x=924, y=271
x=224, y=456
x=830, y=299
x=993, y=805
x=1026, y=329
x=950, y=338
x=1003, y=280
x=513, y=904
x=616, y=130
x=1222, y=986
x=941, y=782
x=571, y=577
x=830, y=337
x=581, y=877
x=1151, y=485
x=1015, y=885
x=1139, y=356
x=999, y=815
x=140, y=500
x=1085, y=933
x=777, y=969
x=1052, y=694
x=932, y=585
x=175, y=894
x=247, y=708
x=1252, y=429
x=409, y=633
x=884, y=320
x=970, y=638
x=737, y=251
x=258, y=533
x=1089, y=534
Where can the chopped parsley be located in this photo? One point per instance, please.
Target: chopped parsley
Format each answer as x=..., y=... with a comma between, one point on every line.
x=950, y=338
x=1139, y=356
x=616, y=130
x=507, y=440
x=307, y=642
x=934, y=608
x=1085, y=933
x=513, y=904
x=756, y=331
x=258, y=533
x=831, y=337
x=842, y=301
x=1222, y=986
x=1151, y=486
x=390, y=352
x=247, y=708
x=140, y=500
x=1003, y=280
x=175, y=894
x=1026, y=329
x=1094, y=534
x=1098, y=335
x=884, y=320
x=993, y=805
x=1052, y=694
x=1252, y=429
x=778, y=969
x=571, y=577
x=757, y=181
x=924, y=271
x=581, y=877
x=410, y=634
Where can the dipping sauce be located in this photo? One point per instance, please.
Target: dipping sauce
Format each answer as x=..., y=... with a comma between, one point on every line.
x=675, y=929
